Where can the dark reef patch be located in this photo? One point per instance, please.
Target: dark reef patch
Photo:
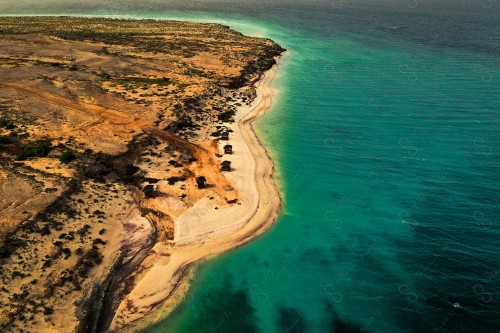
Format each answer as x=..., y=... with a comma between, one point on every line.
x=338, y=325
x=291, y=320
x=225, y=311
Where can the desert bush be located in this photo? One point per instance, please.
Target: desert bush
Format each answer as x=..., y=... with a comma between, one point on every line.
x=67, y=156
x=226, y=116
x=99, y=241
x=83, y=230
x=67, y=252
x=175, y=163
x=173, y=180
x=130, y=169
x=6, y=140
x=48, y=311
x=4, y=123
x=38, y=148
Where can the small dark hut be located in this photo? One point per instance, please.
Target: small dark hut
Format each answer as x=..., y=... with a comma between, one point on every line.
x=228, y=149
x=224, y=136
x=150, y=190
x=225, y=166
x=201, y=182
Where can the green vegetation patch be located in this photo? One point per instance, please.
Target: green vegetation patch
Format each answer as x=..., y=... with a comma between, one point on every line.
x=139, y=81
x=39, y=148
x=175, y=163
x=4, y=123
x=226, y=116
x=173, y=180
x=67, y=156
x=216, y=133
x=6, y=140
x=194, y=72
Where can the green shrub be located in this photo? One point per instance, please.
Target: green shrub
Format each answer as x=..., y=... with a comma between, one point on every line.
x=38, y=148
x=216, y=133
x=226, y=116
x=48, y=311
x=6, y=140
x=145, y=81
x=6, y=124
x=175, y=163
x=173, y=180
x=67, y=156
x=131, y=169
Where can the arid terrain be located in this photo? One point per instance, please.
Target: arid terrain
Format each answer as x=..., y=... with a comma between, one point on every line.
x=91, y=112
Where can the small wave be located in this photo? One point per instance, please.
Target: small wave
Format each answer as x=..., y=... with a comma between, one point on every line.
x=414, y=158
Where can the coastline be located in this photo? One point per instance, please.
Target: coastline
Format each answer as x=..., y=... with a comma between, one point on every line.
x=166, y=281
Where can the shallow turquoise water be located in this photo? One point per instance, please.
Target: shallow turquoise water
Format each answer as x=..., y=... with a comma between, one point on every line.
x=385, y=134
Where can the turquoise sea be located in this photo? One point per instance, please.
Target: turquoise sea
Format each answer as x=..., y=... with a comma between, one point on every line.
x=385, y=134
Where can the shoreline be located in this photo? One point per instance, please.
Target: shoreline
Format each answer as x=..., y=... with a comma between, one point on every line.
x=166, y=283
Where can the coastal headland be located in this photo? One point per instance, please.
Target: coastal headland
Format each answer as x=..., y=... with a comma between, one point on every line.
x=127, y=155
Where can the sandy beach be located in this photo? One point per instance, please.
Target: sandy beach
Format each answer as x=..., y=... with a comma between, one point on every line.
x=205, y=230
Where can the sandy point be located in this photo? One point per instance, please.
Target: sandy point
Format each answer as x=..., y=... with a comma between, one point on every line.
x=205, y=230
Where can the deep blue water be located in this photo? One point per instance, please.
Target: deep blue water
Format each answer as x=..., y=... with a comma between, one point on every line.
x=386, y=138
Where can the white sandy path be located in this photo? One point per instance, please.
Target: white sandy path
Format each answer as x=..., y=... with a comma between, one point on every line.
x=213, y=231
